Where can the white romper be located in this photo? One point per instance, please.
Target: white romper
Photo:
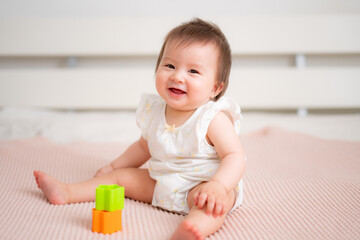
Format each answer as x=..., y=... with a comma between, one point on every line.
x=181, y=157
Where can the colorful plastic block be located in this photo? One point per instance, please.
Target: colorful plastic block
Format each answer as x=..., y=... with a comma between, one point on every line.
x=106, y=222
x=109, y=197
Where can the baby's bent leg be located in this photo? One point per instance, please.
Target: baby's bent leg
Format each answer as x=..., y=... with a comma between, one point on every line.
x=137, y=182
x=197, y=224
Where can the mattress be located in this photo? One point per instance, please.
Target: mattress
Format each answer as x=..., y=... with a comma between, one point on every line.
x=297, y=186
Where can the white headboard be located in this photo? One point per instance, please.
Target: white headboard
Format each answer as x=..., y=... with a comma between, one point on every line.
x=108, y=62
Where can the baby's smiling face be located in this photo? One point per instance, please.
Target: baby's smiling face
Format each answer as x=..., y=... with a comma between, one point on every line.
x=187, y=75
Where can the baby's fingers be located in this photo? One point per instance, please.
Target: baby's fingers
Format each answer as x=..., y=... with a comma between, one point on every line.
x=202, y=200
x=210, y=205
x=196, y=198
x=219, y=209
x=98, y=173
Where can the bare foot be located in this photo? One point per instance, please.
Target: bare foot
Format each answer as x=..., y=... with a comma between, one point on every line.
x=188, y=231
x=54, y=190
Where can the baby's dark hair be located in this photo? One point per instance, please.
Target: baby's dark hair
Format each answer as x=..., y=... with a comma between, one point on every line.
x=198, y=30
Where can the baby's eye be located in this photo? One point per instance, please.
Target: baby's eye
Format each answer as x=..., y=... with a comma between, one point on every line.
x=193, y=71
x=170, y=66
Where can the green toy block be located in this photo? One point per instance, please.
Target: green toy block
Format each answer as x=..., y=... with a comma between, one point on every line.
x=109, y=197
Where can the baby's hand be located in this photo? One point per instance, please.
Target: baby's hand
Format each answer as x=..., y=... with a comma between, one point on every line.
x=104, y=170
x=212, y=195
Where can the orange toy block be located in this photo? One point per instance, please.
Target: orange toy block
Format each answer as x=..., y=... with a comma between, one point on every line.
x=106, y=222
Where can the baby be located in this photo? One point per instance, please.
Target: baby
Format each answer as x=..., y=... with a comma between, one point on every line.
x=189, y=136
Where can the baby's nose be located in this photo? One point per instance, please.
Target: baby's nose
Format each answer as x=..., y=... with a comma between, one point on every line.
x=178, y=77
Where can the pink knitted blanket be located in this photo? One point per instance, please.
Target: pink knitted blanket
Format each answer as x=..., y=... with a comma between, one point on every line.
x=296, y=187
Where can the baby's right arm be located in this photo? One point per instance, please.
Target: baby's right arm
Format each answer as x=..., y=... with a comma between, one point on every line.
x=134, y=156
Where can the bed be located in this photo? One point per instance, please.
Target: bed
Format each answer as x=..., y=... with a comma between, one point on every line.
x=296, y=187
x=65, y=110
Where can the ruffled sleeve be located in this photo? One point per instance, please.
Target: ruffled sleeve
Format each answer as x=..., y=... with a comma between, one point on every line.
x=148, y=105
x=225, y=104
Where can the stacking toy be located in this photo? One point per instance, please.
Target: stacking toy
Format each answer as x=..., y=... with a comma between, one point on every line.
x=107, y=213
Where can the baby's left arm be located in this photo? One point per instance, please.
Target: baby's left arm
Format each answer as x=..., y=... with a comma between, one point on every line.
x=222, y=135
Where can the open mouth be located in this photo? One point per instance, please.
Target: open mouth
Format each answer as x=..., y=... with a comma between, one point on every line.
x=177, y=91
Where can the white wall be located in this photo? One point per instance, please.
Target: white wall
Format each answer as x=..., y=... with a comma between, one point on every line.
x=186, y=8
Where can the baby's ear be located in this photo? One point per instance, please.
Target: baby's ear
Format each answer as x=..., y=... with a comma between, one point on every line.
x=217, y=89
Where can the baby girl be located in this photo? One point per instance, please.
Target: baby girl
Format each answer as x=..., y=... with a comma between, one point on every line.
x=189, y=138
